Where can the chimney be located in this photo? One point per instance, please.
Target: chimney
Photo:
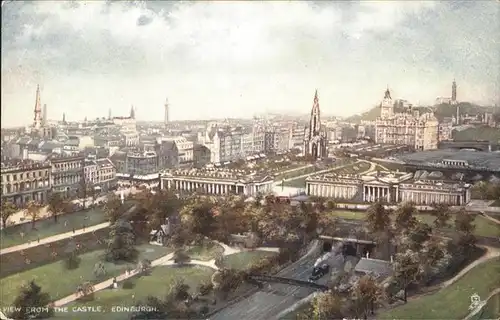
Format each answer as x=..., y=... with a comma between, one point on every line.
x=392, y=259
x=367, y=255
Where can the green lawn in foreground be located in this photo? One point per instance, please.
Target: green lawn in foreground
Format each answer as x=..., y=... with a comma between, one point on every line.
x=451, y=302
x=244, y=260
x=491, y=310
x=11, y=236
x=484, y=227
x=59, y=282
x=208, y=251
x=157, y=284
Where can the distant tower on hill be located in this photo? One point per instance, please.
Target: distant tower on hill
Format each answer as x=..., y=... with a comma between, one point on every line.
x=109, y=114
x=64, y=118
x=454, y=92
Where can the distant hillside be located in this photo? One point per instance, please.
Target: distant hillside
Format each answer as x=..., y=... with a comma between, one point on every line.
x=445, y=110
x=373, y=113
x=441, y=111
x=478, y=133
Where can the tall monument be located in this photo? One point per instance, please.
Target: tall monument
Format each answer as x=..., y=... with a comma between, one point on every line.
x=166, y=119
x=315, y=140
x=37, y=120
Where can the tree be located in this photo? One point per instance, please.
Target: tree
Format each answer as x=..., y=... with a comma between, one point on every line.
x=31, y=303
x=145, y=266
x=179, y=290
x=464, y=222
x=86, y=291
x=405, y=217
x=443, y=215
x=33, y=212
x=226, y=280
x=73, y=260
x=155, y=309
x=378, y=221
x=7, y=210
x=56, y=205
x=420, y=233
x=112, y=207
x=327, y=305
x=365, y=294
x=121, y=243
x=181, y=257
x=99, y=269
x=406, y=270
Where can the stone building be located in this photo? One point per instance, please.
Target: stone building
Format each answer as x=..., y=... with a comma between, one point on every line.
x=420, y=188
x=100, y=174
x=24, y=181
x=408, y=128
x=67, y=173
x=217, y=181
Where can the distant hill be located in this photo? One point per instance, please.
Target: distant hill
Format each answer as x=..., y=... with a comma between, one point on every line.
x=445, y=110
x=373, y=113
x=441, y=111
x=478, y=133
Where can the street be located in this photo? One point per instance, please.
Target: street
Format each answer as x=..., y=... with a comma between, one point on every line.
x=274, y=298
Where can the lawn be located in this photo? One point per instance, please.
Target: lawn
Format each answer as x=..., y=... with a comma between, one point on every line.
x=354, y=168
x=11, y=236
x=244, y=260
x=157, y=284
x=484, y=227
x=491, y=310
x=451, y=302
x=59, y=282
x=208, y=251
x=295, y=173
x=348, y=169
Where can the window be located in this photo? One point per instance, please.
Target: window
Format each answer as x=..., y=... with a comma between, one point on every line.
x=21, y=176
x=14, y=177
x=39, y=173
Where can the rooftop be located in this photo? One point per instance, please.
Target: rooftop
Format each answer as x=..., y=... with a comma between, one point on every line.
x=14, y=165
x=219, y=174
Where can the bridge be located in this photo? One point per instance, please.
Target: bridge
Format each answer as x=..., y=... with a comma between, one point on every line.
x=476, y=145
x=293, y=282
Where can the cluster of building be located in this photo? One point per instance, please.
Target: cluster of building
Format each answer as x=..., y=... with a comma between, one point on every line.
x=28, y=180
x=420, y=188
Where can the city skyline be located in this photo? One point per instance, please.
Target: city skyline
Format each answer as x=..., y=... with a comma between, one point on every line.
x=95, y=56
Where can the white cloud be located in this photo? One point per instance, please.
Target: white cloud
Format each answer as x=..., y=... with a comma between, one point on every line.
x=215, y=59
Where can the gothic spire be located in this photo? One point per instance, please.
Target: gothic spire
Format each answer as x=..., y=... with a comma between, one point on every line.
x=132, y=112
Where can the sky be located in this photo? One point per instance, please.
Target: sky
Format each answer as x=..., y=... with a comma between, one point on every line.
x=238, y=59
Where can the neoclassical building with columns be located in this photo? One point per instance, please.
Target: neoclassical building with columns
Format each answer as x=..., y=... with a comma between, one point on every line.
x=392, y=187
x=217, y=181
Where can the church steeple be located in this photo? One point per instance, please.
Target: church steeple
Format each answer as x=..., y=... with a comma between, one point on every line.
x=132, y=112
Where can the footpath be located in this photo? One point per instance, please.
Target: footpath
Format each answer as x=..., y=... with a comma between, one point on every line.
x=166, y=260
x=54, y=238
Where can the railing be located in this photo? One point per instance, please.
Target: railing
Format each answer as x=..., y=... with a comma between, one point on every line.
x=293, y=282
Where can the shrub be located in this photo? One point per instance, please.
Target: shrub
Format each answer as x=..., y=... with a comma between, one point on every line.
x=72, y=262
x=128, y=284
x=205, y=288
